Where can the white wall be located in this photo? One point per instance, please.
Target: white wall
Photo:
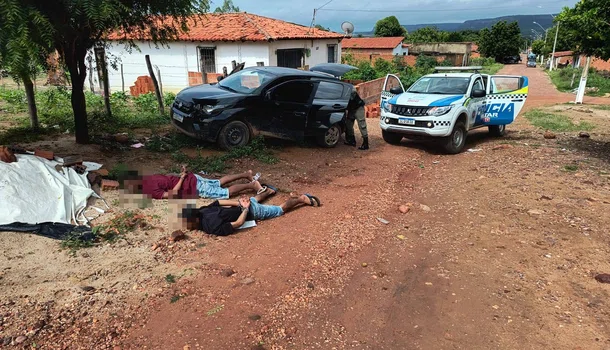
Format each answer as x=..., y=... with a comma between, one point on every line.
x=319, y=53
x=399, y=50
x=177, y=60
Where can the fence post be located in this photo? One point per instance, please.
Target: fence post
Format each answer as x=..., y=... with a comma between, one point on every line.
x=100, y=55
x=90, y=60
x=122, y=80
x=159, y=78
x=155, y=84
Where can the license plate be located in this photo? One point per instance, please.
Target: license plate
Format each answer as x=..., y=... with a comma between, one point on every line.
x=406, y=121
x=178, y=117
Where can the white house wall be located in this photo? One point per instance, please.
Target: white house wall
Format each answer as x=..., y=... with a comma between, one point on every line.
x=177, y=60
x=318, y=53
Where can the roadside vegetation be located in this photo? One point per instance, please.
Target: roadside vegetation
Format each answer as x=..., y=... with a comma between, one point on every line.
x=556, y=122
x=567, y=79
x=408, y=74
x=55, y=113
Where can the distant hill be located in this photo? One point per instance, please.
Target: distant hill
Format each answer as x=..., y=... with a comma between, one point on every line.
x=526, y=23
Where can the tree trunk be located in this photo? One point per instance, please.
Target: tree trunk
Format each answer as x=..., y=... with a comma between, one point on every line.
x=105, y=82
x=156, y=84
x=75, y=60
x=29, y=94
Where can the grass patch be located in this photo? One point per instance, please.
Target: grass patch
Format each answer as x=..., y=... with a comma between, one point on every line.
x=571, y=167
x=212, y=164
x=175, y=298
x=169, y=278
x=23, y=134
x=55, y=110
x=215, y=310
x=600, y=107
x=492, y=68
x=109, y=232
x=562, y=79
x=555, y=122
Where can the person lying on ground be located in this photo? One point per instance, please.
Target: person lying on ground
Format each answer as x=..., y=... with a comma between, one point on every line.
x=189, y=185
x=223, y=217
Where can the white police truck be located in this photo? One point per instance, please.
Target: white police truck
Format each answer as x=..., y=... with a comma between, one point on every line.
x=448, y=104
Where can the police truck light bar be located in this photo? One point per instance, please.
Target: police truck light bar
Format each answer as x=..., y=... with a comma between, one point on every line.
x=447, y=69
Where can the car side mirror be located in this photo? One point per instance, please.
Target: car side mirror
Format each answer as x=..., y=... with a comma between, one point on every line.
x=478, y=93
x=219, y=78
x=396, y=90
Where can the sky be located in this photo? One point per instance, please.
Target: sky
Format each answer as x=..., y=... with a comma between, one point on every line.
x=364, y=13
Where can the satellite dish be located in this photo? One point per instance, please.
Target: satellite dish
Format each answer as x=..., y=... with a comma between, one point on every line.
x=348, y=28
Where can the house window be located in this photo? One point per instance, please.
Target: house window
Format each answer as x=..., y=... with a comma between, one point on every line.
x=332, y=53
x=290, y=58
x=207, y=59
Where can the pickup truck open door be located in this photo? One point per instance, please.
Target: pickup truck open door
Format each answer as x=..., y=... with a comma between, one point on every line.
x=506, y=95
x=391, y=87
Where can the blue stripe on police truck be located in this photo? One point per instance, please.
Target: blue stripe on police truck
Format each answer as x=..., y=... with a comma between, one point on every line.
x=445, y=101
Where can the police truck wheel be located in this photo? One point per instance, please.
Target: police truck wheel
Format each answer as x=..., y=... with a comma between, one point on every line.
x=234, y=134
x=455, y=142
x=391, y=138
x=497, y=130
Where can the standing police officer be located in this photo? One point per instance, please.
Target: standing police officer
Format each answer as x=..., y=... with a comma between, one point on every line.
x=355, y=111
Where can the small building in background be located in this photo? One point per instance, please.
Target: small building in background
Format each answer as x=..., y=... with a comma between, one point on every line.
x=212, y=43
x=457, y=53
x=369, y=49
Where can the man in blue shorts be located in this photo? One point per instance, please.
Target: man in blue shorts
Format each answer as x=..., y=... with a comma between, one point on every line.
x=223, y=217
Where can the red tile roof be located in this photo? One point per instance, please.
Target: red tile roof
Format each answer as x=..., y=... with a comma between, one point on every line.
x=564, y=53
x=239, y=27
x=372, y=43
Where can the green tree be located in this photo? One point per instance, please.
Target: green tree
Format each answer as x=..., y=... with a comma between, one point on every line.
x=428, y=35
x=389, y=26
x=504, y=39
x=564, y=39
x=469, y=35
x=227, y=7
x=539, y=47
x=20, y=28
x=587, y=25
x=78, y=25
x=320, y=27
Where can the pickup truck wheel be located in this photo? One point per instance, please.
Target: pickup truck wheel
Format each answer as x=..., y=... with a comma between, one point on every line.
x=497, y=130
x=234, y=134
x=330, y=138
x=391, y=138
x=455, y=142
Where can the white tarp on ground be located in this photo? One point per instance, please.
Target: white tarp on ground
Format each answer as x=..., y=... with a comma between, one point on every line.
x=32, y=191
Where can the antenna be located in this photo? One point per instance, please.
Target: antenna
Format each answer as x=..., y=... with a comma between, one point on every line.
x=348, y=28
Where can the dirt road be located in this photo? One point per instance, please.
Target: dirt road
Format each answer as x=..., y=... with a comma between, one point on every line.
x=498, y=251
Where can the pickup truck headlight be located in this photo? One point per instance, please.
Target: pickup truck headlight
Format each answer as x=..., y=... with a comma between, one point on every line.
x=436, y=111
x=387, y=107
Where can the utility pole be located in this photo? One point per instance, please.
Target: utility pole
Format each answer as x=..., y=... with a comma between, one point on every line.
x=583, y=82
x=554, y=46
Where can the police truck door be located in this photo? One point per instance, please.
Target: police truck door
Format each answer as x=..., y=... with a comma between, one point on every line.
x=506, y=95
x=389, y=91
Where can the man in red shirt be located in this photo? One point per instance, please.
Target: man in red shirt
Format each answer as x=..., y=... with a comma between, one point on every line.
x=189, y=185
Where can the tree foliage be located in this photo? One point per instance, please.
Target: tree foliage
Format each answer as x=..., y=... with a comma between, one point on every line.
x=389, y=27
x=321, y=27
x=77, y=25
x=539, y=47
x=25, y=42
x=428, y=35
x=504, y=39
x=587, y=25
x=227, y=7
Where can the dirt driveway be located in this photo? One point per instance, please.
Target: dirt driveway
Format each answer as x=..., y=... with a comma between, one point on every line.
x=498, y=250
